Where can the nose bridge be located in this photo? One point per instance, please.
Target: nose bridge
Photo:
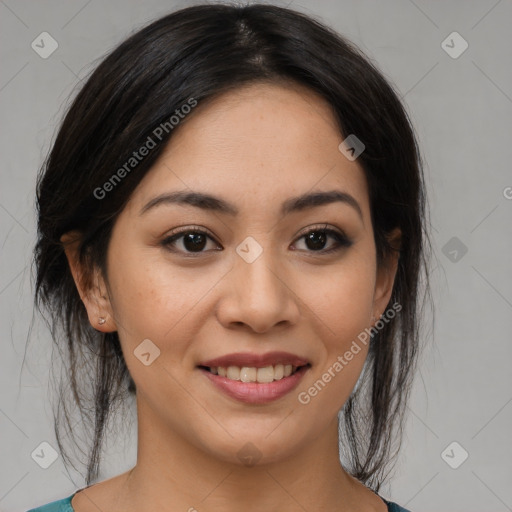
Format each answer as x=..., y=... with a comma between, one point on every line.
x=258, y=294
x=258, y=270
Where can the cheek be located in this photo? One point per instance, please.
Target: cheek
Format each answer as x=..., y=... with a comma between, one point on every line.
x=153, y=301
x=152, y=295
x=342, y=304
x=342, y=299
x=345, y=346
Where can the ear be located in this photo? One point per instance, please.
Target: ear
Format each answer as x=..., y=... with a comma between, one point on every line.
x=386, y=273
x=91, y=287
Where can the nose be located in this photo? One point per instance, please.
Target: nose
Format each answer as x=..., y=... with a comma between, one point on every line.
x=258, y=295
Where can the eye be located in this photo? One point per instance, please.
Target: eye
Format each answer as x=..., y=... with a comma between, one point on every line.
x=316, y=238
x=191, y=240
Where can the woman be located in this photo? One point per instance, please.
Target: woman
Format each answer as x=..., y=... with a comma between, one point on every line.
x=231, y=227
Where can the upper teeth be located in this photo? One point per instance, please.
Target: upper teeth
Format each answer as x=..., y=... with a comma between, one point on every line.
x=248, y=374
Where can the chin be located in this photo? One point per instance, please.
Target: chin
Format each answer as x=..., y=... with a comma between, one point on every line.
x=256, y=449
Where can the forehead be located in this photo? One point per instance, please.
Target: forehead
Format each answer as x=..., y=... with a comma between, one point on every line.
x=256, y=146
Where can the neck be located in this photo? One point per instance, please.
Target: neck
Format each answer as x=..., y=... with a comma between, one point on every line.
x=170, y=470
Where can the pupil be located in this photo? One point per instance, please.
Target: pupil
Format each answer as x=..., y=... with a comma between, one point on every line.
x=194, y=241
x=318, y=239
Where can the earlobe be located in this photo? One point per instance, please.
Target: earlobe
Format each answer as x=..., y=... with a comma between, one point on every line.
x=91, y=288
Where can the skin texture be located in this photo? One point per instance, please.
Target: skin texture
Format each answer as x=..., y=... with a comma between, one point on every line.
x=254, y=148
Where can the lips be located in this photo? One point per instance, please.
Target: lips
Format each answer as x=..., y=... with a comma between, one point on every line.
x=247, y=359
x=255, y=378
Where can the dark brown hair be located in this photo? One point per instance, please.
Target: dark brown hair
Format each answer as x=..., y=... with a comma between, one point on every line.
x=200, y=52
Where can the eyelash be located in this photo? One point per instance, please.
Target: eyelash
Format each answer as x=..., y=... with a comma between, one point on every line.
x=342, y=241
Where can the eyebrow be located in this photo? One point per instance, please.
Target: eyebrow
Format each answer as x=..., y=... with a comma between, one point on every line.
x=212, y=203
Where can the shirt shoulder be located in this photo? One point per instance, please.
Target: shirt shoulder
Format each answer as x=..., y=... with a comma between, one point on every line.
x=393, y=507
x=63, y=505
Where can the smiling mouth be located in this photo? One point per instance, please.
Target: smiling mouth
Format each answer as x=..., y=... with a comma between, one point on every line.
x=263, y=375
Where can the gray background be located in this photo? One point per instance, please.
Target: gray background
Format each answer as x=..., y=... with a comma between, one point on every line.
x=461, y=108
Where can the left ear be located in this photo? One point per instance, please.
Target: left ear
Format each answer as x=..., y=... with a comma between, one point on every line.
x=386, y=273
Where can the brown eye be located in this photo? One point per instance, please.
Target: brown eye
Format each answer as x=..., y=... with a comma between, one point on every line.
x=317, y=238
x=190, y=240
x=194, y=241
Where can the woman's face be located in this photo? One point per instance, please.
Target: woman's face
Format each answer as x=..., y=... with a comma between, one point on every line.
x=254, y=288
